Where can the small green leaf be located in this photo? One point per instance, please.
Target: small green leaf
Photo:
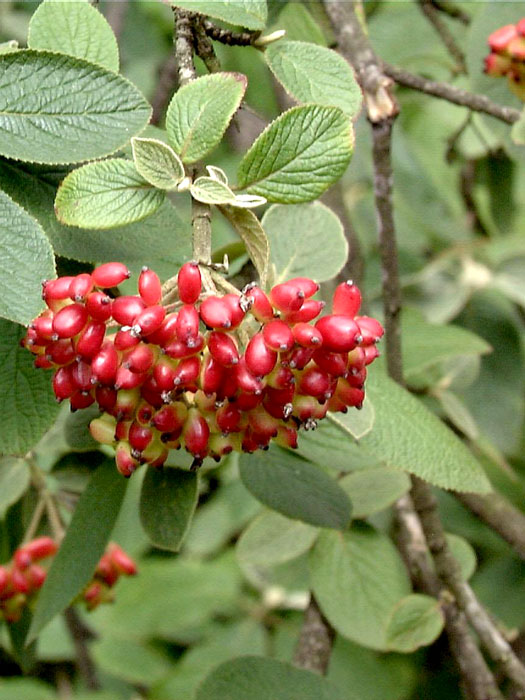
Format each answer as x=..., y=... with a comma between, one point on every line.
x=199, y=113
x=260, y=678
x=312, y=73
x=372, y=490
x=299, y=155
x=357, y=578
x=463, y=553
x=306, y=240
x=299, y=24
x=106, y=194
x=27, y=259
x=254, y=238
x=217, y=174
x=62, y=109
x=272, y=539
x=296, y=488
x=407, y=436
x=25, y=656
x=246, y=13
x=14, y=481
x=83, y=545
x=28, y=402
x=157, y=163
x=211, y=191
x=416, y=621
x=356, y=423
x=131, y=660
x=75, y=28
x=167, y=503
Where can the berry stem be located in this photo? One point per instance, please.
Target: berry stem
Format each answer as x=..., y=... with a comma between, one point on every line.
x=48, y=499
x=35, y=520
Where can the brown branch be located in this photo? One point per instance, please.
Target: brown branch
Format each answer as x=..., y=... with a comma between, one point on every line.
x=315, y=642
x=450, y=573
x=494, y=510
x=225, y=36
x=116, y=15
x=166, y=84
x=452, y=10
x=432, y=14
x=184, y=46
x=477, y=103
x=204, y=46
x=81, y=635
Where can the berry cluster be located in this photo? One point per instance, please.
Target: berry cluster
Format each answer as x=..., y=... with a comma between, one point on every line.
x=507, y=57
x=190, y=378
x=23, y=576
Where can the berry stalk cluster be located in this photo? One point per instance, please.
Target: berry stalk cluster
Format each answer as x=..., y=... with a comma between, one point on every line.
x=507, y=56
x=184, y=379
x=23, y=576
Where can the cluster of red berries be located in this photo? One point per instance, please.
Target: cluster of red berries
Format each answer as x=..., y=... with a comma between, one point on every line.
x=23, y=576
x=166, y=380
x=507, y=57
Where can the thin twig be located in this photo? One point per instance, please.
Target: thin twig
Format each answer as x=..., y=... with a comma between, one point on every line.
x=477, y=103
x=315, y=642
x=432, y=14
x=225, y=36
x=35, y=520
x=116, y=16
x=166, y=85
x=80, y=635
x=452, y=10
x=494, y=510
x=204, y=47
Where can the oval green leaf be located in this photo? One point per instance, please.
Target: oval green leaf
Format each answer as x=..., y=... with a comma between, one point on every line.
x=251, y=14
x=28, y=402
x=106, y=194
x=373, y=490
x=27, y=259
x=299, y=155
x=61, y=109
x=75, y=28
x=167, y=503
x=211, y=191
x=199, y=113
x=296, y=488
x=312, y=73
x=306, y=240
x=416, y=621
x=14, y=481
x=157, y=163
x=357, y=578
x=83, y=545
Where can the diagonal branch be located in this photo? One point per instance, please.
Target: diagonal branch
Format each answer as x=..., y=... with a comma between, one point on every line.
x=315, y=642
x=432, y=14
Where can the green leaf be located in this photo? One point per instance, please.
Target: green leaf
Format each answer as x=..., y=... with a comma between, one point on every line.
x=299, y=155
x=517, y=132
x=199, y=113
x=167, y=503
x=211, y=191
x=312, y=73
x=306, y=240
x=259, y=678
x=299, y=24
x=254, y=238
x=157, y=163
x=27, y=688
x=106, y=194
x=294, y=487
x=130, y=660
x=76, y=429
x=357, y=578
x=357, y=423
x=463, y=553
x=14, y=481
x=25, y=656
x=8, y=46
x=246, y=13
x=28, y=402
x=27, y=259
x=83, y=545
x=425, y=344
x=61, y=109
x=407, y=436
x=272, y=539
x=75, y=28
x=458, y=413
x=416, y=621
x=372, y=490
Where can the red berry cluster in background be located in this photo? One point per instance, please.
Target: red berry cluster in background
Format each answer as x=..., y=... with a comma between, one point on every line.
x=507, y=57
x=189, y=378
x=23, y=576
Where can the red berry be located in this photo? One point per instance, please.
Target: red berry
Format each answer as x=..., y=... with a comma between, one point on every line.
x=106, y=397
x=212, y=374
x=245, y=380
x=298, y=358
x=42, y=362
x=280, y=377
x=166, y=333
x=308, y=311
x=126, y=309
x=499, y=39
x=307, y=336
x=262, y=423
x=287, y=297
x=340, y=333
x=126, y=379
x=99, y=306
x=187, y=371
x=35, y=576
x=139, y=436
x=64, y=385
x=149, y=287
x=140, y=358
x=40, y=548
x=228, y=418
x=189, y=282
x=260, y=304
x=4, y=580
x=286, y=437
x=237, y=314
x=126, y=464
x=105, y=364
x=278, y=336
x=246, y=402
x=196, y=434
x=164, y=373
x=215, y=313
x=346, y=299
x=70, y=320
x=349, y=395
x=331, y=362
x=121, y=561
x=81, y=399
x=80, y=287
x=126, y=403
x=177, y=349
x=306, y=285
x=223, y=349
x=81, y=373
x=171, y=417
x=90, y=339
x=187, y=325
x=43, y=326
x=314, y=382
x=56, y=289
x=151, y=392
x=124, y=340
x=260, y=360
x=370, y=353
x=18, y=581
x=110, y=274
x=150, y=320
x=370, y=328
x=122, y=429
